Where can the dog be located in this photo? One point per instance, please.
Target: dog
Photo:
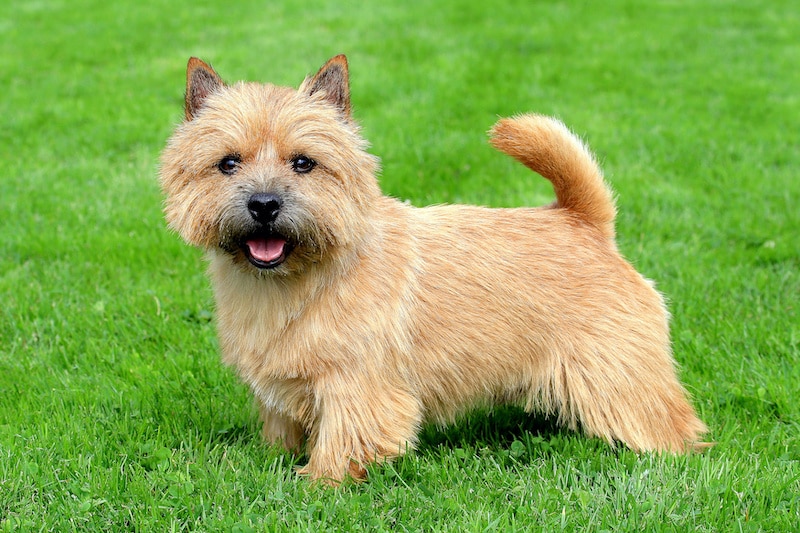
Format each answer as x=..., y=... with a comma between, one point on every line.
x=356, y=318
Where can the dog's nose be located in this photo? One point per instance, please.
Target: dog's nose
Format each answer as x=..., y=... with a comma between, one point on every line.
x=264, y=207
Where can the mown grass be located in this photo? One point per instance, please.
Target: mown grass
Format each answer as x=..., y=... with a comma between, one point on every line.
x=115, y=413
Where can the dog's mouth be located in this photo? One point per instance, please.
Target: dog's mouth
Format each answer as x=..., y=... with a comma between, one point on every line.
x=266, y=252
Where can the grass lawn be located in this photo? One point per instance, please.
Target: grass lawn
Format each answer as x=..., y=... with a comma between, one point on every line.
x=115, y=412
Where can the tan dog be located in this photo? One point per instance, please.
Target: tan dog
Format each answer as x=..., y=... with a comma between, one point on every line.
x=355, y=318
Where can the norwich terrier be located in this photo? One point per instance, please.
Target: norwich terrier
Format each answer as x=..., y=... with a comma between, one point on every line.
x=355, y=318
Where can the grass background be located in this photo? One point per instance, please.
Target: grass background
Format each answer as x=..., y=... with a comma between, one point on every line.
x=115, y=413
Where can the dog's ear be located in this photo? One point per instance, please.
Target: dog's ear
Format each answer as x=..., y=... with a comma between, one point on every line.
x=201, y=80
x=333, y=80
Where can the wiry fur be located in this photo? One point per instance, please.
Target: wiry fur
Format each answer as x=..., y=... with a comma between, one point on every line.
x=387, y=315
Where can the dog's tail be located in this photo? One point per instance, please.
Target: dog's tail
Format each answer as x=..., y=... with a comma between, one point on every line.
x=546, y=146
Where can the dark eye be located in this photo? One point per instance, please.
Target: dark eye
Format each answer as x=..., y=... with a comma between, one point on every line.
x=302, y=164
x=229, y=164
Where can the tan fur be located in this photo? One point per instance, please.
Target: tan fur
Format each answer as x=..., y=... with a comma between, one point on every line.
x=385, y=316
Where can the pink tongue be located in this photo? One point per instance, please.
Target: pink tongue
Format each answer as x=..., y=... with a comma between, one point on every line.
x=266, y=250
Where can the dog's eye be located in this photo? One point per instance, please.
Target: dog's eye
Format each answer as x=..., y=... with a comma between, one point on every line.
x=302, y=164
x=229, y=164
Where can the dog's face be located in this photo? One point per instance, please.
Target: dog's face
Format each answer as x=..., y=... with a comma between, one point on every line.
x=276, y=178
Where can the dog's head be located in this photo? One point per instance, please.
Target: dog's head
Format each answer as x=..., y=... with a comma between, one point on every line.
x=276, y=178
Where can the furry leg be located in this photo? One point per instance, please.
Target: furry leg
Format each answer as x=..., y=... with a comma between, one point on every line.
x=280, y=429
x=359, y=422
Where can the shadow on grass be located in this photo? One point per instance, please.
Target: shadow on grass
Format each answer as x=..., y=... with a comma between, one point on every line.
x=495, y=429
x=234, y=434
x=509, y=435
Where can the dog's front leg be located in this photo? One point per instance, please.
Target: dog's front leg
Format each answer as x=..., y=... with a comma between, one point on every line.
x=280, y=429
x=360, y=420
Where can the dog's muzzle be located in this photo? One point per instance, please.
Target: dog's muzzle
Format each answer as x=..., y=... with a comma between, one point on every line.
x=266, y=248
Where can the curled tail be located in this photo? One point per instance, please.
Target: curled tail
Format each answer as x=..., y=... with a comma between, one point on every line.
x=546, y=146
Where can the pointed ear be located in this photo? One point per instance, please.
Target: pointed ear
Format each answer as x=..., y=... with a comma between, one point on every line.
x=333, y=79
x=201, y=80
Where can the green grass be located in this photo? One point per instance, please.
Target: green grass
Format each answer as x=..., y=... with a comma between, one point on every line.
x=115, y=413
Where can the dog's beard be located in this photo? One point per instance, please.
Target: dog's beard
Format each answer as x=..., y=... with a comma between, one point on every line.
x=292, y=239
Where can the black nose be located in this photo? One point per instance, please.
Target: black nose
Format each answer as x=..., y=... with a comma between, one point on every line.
x=264, y=207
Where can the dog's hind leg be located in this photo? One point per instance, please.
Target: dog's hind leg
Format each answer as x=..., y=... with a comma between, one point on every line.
x=635, y=401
